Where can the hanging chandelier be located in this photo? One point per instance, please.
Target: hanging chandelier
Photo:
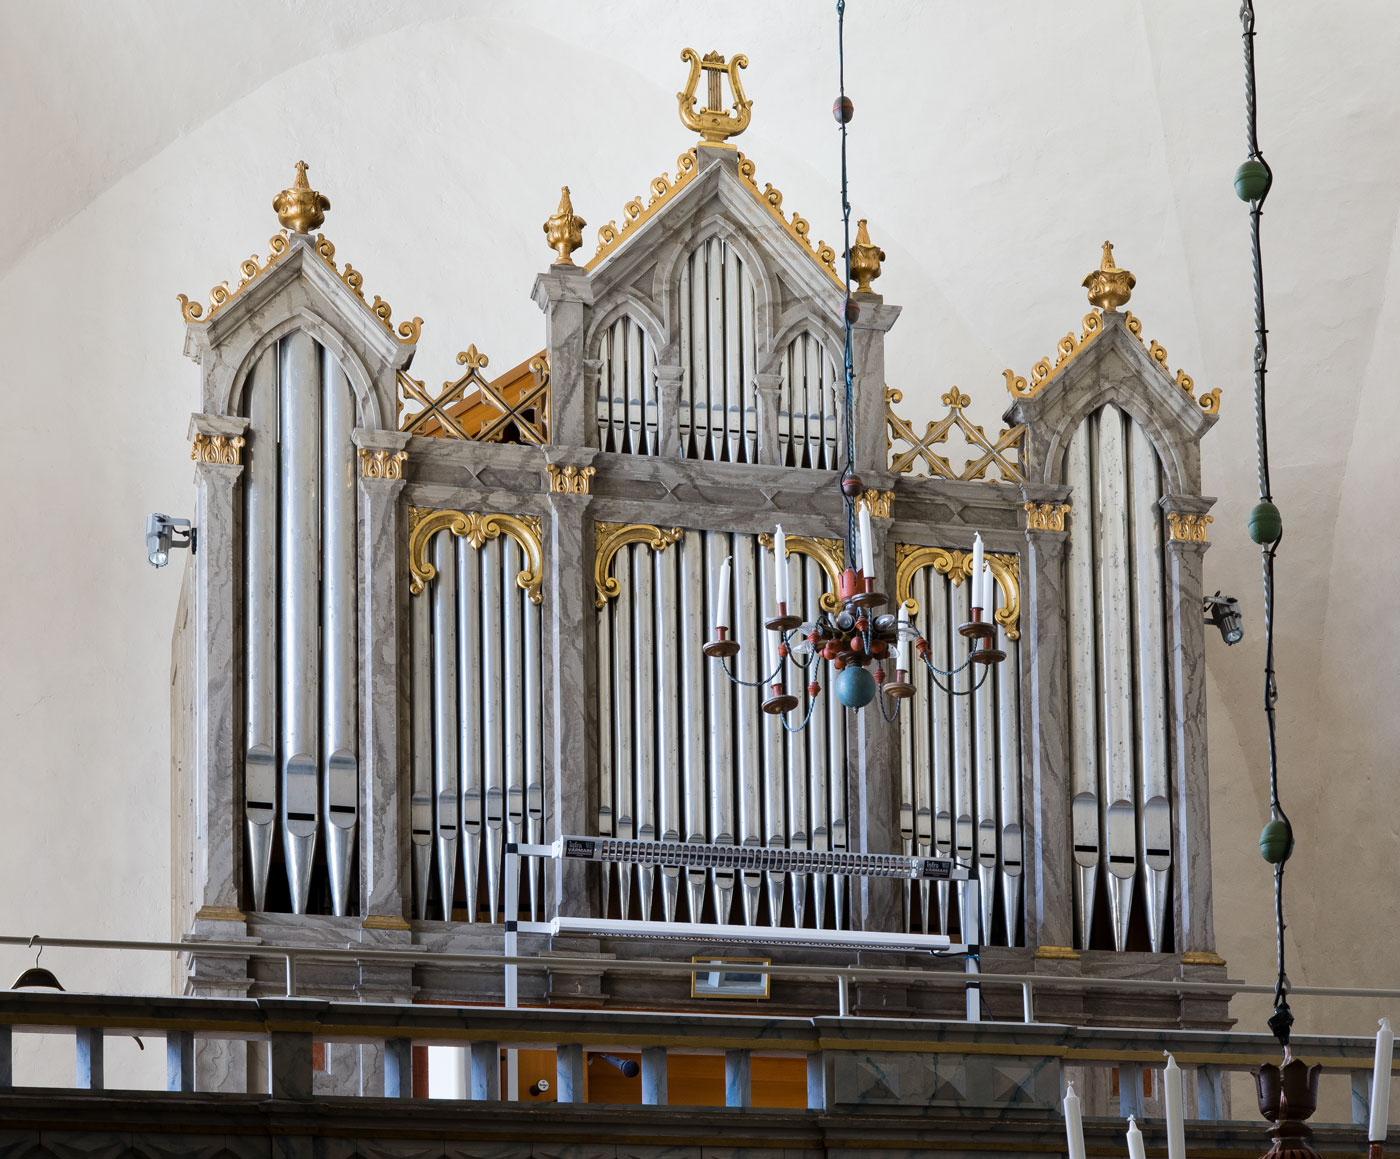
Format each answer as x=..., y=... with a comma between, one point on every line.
x=856, y=637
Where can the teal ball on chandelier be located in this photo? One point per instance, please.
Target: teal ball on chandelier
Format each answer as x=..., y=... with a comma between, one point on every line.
x=1252, y=180
x=1265, y=523
x=1276, y=842
x=855, y=687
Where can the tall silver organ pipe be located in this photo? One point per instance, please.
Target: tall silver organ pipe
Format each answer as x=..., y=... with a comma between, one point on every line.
x=339, y=635
x=477, y=740
x=718, y=341
x=1121, y=810
x=962, y=757
x=300, y=606
x=260, y=623
x=446, y=806
x=686, y=752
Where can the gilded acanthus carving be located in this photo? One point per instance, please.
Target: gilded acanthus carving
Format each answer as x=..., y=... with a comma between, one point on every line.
x=382, y=464
x=610, y=538
x=476, y=529
x=1046, y=516
x=1189, y=527
x=570, y=480
x=217, y=449
x=911, y=558
x=876, y=502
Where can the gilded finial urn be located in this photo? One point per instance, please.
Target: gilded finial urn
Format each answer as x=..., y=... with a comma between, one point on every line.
x=564, y=229
x=1108, y=286
x=865, y=259
x=301, y=208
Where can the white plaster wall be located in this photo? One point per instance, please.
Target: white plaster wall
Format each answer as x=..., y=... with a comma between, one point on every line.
x=993, y=149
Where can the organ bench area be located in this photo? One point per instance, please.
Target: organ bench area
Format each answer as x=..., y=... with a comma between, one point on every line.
x=423, y=625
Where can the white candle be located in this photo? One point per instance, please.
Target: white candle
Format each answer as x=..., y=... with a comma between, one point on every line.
x=867, y=544
x=780, y=567
x=1175, y=1108
x=1380, y=1083
x=722, y=595
x=989, y=600
x=977, y=561
x=1134, y=1141
x=903, y=630
x=1074, y=1125
x=1135, y=1148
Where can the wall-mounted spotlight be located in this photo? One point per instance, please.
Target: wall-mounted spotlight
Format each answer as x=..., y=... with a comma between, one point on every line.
x=627, y=1066
x=1224, y=613
x=161, y=536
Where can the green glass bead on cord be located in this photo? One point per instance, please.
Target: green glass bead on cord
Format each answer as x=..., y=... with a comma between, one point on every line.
x=1265, y=523
x=1252, y=180
x=1276, y=842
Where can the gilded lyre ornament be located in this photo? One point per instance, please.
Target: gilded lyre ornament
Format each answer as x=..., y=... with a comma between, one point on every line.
x=830, y=553
x=220, y=296
x=564, y=229
x=865, y=259
x=910, y=558
x=382, y=464
x=570, y=480
x=476, y=529
x=217, y=449
x=713, y=122
x=1189, y=527
x=301, y=208
x=1004, y=453
x=1046, y=516
x=1108, y=286
x=610, y=538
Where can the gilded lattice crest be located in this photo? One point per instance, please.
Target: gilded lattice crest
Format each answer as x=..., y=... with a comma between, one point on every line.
x=519, y=408
x=912, y=453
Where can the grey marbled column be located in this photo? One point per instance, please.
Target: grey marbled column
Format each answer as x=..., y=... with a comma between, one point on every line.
x=384, y=875
x=1045, y=791
x=563, y=293
x=766, y=387
x=220, y=835
x=872, y=754
x=668, y=409
x=1190, y=787
x=868, y=363
x=568, y=610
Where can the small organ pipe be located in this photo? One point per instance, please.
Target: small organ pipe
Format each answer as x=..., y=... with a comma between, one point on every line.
x=446, y=815
x=300, y=599
x=340, y=773
x=260, y=621
x=714, y=330
x=732, y=338
x=749, y=320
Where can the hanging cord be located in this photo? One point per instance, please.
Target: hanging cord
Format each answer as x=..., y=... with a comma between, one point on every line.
x=848, y=467
x=1281, y=1021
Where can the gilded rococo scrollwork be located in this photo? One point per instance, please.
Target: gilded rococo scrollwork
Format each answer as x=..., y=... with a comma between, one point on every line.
x=382, y=464
x=407, y=331
x=610, y=538
x=476, y=529
x=830, y=553
x=798, y=228
x=634, y=213
x=220, y=296
x=217, y=449
x=957, y=566
x=909, y=450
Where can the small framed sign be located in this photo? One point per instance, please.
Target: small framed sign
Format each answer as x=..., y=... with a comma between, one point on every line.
x=729, y=978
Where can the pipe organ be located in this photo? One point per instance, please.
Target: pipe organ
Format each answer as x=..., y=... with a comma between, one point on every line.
x=427, y=628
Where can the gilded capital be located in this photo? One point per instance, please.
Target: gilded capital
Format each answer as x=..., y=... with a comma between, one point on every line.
x=570, y=480
x=1046, y=516
x=382, y=464
x=564, y=229
x=217, y=449
x=1108, y=286
x=865, y=259
x=301, y=208
x=876, y=502
x=1190, y=528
